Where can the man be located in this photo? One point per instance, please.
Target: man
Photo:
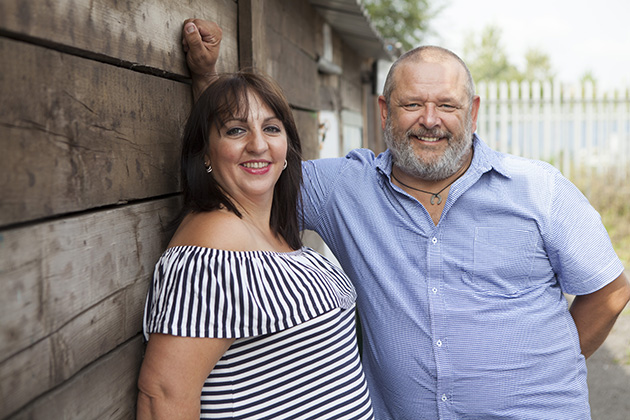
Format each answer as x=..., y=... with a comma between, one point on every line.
x=461, y=256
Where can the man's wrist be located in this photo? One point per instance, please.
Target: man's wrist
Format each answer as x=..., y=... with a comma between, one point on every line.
x=200, y=82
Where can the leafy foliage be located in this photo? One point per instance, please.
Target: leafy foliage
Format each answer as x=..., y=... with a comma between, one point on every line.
x=609, y=195
x=538, y=66
x=488, y=61
x=403, y=21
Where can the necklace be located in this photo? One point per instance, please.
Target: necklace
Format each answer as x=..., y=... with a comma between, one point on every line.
x=433, y=195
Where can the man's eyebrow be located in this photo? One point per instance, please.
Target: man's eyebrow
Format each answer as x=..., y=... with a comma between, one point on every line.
x=416, y=99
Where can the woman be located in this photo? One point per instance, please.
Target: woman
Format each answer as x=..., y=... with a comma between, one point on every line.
x=242, y=321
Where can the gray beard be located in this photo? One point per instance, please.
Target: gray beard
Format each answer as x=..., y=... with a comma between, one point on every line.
x=450, y=162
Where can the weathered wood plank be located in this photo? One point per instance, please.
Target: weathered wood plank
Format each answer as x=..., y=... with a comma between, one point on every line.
x=289, y=50
x=16, y=388
x=294, y=70
x=296, y=21
x=277, y=39
x=61, y=355
x=251, y=35
x=136, y=32
x=104, y=390
x=351, y=89
x=83, y=134
x=307, y=125
x=52, y=273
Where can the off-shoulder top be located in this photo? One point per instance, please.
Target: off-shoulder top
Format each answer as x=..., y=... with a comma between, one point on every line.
x=292, y=315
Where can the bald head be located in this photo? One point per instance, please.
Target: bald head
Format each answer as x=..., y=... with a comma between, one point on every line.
x=427, y=54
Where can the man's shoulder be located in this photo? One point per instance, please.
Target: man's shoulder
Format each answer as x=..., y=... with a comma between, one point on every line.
x=518, y=166
x=355, y=160
x=362, y=155
x=513, y=165
x=359, y=172
x=526, y=166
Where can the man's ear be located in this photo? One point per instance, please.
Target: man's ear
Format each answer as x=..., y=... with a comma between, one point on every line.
x=382, y=104
x=474, y=112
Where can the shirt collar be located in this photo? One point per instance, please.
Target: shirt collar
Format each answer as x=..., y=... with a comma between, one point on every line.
x=484, y=160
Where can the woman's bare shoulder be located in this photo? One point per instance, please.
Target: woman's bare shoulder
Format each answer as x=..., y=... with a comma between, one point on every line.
x=218, y=229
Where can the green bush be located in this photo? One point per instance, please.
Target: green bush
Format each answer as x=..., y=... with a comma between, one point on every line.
x=609, y=193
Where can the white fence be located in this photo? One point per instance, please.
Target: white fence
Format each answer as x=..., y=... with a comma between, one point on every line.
x=574, y=128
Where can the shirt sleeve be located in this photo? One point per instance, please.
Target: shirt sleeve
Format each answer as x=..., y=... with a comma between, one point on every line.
x=580, y=249
x=192, y=296
x=319, y=179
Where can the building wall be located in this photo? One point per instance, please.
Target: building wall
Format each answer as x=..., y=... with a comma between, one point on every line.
x=94, y=98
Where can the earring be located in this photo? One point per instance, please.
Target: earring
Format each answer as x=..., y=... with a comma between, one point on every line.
x=285, y=165
x=208, y=168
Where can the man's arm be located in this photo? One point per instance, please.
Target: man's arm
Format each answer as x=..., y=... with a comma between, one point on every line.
x=595, y=314
x=201, y=41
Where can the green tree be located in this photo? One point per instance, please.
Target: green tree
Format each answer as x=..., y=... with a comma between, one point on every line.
x=404, y=21
x=488, y=61
x=486, y=56
x=587, y=76
x=538, y=66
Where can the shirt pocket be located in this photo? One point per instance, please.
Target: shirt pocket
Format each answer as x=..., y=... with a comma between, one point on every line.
x=503, y=260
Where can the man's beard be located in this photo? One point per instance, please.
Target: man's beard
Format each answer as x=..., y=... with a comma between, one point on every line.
x=446, y=165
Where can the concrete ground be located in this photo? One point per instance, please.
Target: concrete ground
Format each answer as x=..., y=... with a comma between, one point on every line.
x=609, y=374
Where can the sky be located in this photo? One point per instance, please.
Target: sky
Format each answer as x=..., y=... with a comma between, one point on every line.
x=578, y=35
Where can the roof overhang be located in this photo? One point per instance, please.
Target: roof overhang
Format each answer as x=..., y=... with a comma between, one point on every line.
x=351, y=22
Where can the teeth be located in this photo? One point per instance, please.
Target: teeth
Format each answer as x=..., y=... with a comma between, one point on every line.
x=256, y=165
x=429, y=139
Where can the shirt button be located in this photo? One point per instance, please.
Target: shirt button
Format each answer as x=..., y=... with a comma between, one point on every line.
x=434, y=240
x=439, y=343
x=444, y=397
x=434, y=290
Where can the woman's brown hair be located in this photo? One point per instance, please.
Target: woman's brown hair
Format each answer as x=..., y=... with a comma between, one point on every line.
x=224, y=99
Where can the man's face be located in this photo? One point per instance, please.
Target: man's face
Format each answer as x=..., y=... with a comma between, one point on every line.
x=430, y=120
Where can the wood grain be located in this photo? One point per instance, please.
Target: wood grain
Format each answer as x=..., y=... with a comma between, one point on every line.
x=136, y=34
x=53, y=272
x=83, y=134
x=106, y=389
x=73, y=290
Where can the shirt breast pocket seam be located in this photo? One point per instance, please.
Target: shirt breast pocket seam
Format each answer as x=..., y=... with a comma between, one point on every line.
x=502, y=260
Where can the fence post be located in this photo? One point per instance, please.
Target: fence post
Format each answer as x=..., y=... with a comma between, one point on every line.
x=516, y=115
x=492, y=114
x=482, y=117
x=547, y=138
x=588, y=100
x=503, y=123
x=562, y=133
x=535, y=119
x=576, y=128
x=526, y=109
x=623, y=131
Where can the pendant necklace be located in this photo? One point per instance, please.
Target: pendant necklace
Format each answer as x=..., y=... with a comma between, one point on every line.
x=433, y=195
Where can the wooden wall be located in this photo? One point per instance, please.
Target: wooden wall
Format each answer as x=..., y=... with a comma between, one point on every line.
x=94, y=95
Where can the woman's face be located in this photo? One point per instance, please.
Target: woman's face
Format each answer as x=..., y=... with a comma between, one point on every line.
x=248, y=155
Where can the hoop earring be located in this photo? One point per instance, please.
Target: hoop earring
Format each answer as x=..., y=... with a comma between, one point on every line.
x=208, y=168
x=285, y=165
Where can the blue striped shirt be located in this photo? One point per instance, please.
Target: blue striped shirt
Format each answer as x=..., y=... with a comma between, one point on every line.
x=466, y=319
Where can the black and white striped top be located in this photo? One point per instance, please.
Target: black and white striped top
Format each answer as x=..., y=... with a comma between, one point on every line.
x=292, y=314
